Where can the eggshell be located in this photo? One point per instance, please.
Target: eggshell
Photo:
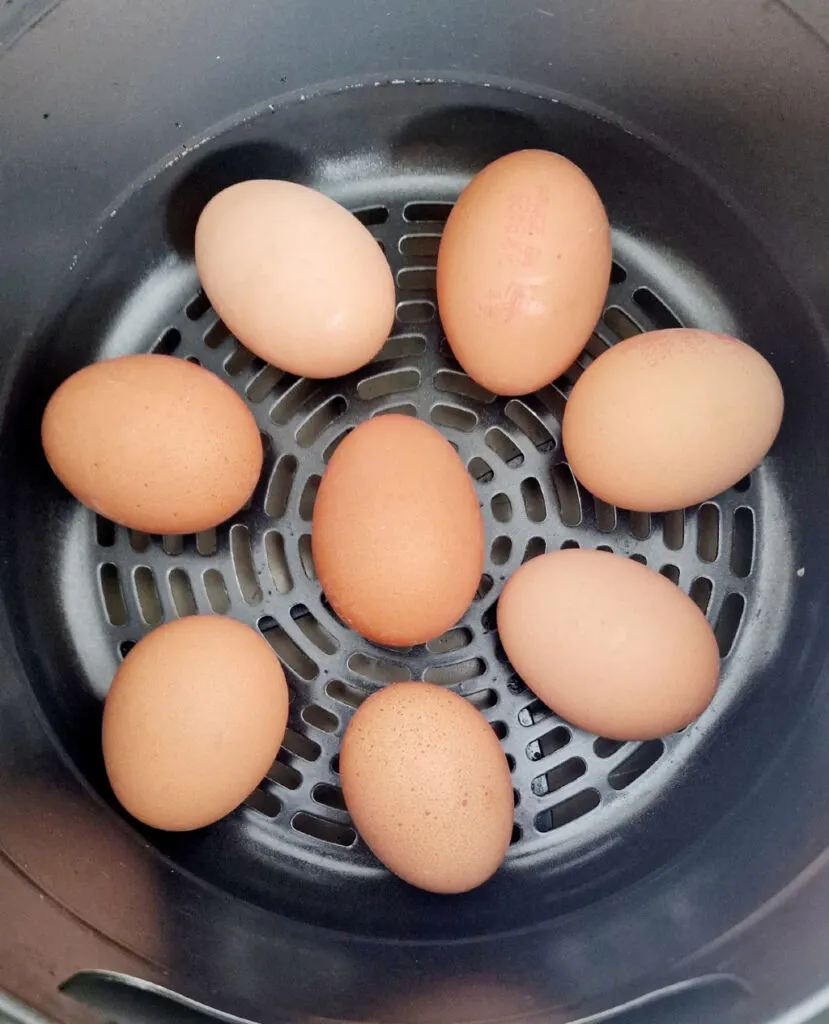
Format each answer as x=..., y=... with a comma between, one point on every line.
x=608, y=644
x=428, y=786
x=154, y=443
x=193, y=721
x=397, y=535
x=670, y=418
x=523, y=270
x=295, y=276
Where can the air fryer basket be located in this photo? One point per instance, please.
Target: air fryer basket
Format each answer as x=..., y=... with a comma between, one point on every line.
x=681, y=879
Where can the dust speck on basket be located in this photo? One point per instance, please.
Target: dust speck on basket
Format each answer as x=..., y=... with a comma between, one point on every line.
x=46, y=117
x=801, y=572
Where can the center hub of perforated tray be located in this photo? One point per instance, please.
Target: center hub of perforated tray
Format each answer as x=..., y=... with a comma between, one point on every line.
x=259, y=569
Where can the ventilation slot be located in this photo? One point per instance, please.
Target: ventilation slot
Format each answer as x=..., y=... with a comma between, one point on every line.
x=459, y=672
x=454, y=640
x=125, y=647
x=670, y=572
x=263, y=801
x=420, y=279
x=242, y=555
x=454, y=382
x=620, y=323
x=728, y=622
x=306, y=556
x=263, y=383
x=147, y=594
x=484, y=587
x=557, y=778
x=501, y=508
x=318, y=718
x=673, y=529
x=742, y=542
x=216, y=591
x=567, y=492
x=484, y=700
x=743, y=485
x=504, y=447
x=139, y=542
x=567, y=811
x=533, y=713
x=379, y=670
x=168, y=342
x=197, y=306
x=113, y=595
x=239, y=360
x=553, y=400
x=534, y=503
x=454, y=417
x=392, y=382
x=655, y=309
x=215, y=335
x=206, y=543
x=618, y=274
x=329, y=796
x=320, y=420
x=182, y=591
x=278, y=562
x=346, y=693
x=419, y=248
x=639, y=558
x=701, y=590
x=605, y=748
x=640, y=525
x=301, y=746
x=283, y=774
x=313, y=631
x=172, y=544
x=605, y=516
x=292, y=399
x=335, y=444
x=634, y=766
x=104, y=532
x=549, y=744
x=480, y=471
x=501, y=550
x=323, y=829
x=279, y=487
x=372, y=216
x=416, y=311
x=535, y=546
x=287, y=650
x=708, y=532
x=401, y=346
x=427, y=213
x=530, y=424
x=308, y=498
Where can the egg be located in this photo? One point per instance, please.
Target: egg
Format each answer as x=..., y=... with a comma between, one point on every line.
x=670, y=418
x=295, y=276
x=427, y=786
x=523, y=270
x=193, y=720
x=397, y=536
x=608, y=644
x=155, y=443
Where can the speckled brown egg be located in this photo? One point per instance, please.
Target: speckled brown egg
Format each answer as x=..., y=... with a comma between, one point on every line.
x=523, y=270
x=155, y=443
x=428, y=786
x=193, y=720
x=295, y=276
x=671, y=418
x=397, y=535
x=608, y=644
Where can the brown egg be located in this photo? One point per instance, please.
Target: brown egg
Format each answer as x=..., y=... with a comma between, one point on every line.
x=154, y=443
x=397, y=535
x=523, y=271
x=295, y=276
x=428, y=786
x=670, y=418
x=193, y=720
x=608, y=644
